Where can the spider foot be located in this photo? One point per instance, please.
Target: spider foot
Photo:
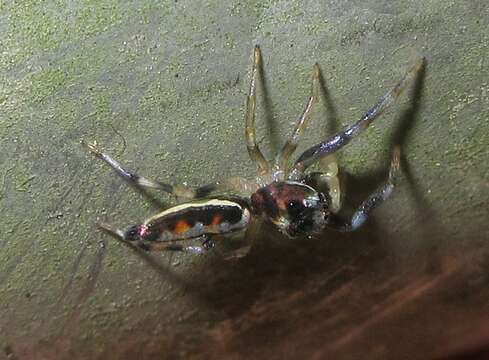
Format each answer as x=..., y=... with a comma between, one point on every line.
x=92, y=147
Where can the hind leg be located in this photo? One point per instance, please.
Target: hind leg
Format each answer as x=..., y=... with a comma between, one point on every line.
x=237, y=184
x=157, y=246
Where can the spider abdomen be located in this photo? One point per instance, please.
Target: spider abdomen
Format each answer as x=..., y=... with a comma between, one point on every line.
x=195, y=219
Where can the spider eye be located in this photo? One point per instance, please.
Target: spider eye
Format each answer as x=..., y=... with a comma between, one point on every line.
x=294, y=208
x=293, y=205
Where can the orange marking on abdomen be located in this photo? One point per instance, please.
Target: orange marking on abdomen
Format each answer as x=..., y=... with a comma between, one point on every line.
x=181, y=226
x=216, y=220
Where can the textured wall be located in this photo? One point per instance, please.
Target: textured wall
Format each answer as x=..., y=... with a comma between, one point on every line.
x=161, y=85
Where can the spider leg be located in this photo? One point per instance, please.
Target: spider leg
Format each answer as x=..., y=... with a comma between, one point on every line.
x=253, y=149
x=372, y=202
x=159, y=246
x=250, y=234
x=291, y=143
x=179, y=190
x=330, y=165
x=207, y=243
x=342, y=138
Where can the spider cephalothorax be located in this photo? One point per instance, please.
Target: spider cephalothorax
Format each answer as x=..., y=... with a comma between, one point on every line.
x=295, y=201
x=295, y=208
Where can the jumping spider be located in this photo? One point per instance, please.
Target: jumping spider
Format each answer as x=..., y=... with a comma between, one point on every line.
x=294, y=201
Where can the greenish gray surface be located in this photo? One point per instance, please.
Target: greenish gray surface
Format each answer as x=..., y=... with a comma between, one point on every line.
x=161, y=86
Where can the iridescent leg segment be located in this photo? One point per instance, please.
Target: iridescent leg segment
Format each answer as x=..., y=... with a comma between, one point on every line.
x=176, y=190
x=344, y=137
x=372, y=202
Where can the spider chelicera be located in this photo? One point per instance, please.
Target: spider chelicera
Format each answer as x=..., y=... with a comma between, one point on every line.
x=296, y=202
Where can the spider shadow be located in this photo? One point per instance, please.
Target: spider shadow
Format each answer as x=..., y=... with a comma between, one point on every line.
x=155, y=201
x=276, y=265
x=163, y=271
x=332, y=123
x=283, y=265
x=429, y=225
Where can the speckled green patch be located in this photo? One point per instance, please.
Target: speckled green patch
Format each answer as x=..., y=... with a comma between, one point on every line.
x=162, y=87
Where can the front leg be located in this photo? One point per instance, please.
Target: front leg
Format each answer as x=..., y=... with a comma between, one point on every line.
x=339, y=140
x=372, y=202
x=281, y=162
x=253, y=150
x=329, y=165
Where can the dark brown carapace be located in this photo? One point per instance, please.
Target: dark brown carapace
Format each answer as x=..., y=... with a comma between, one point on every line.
x=294, y=208
x=294, y=201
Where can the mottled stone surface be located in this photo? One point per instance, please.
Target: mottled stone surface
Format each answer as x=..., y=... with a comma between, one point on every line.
x=161, y=86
